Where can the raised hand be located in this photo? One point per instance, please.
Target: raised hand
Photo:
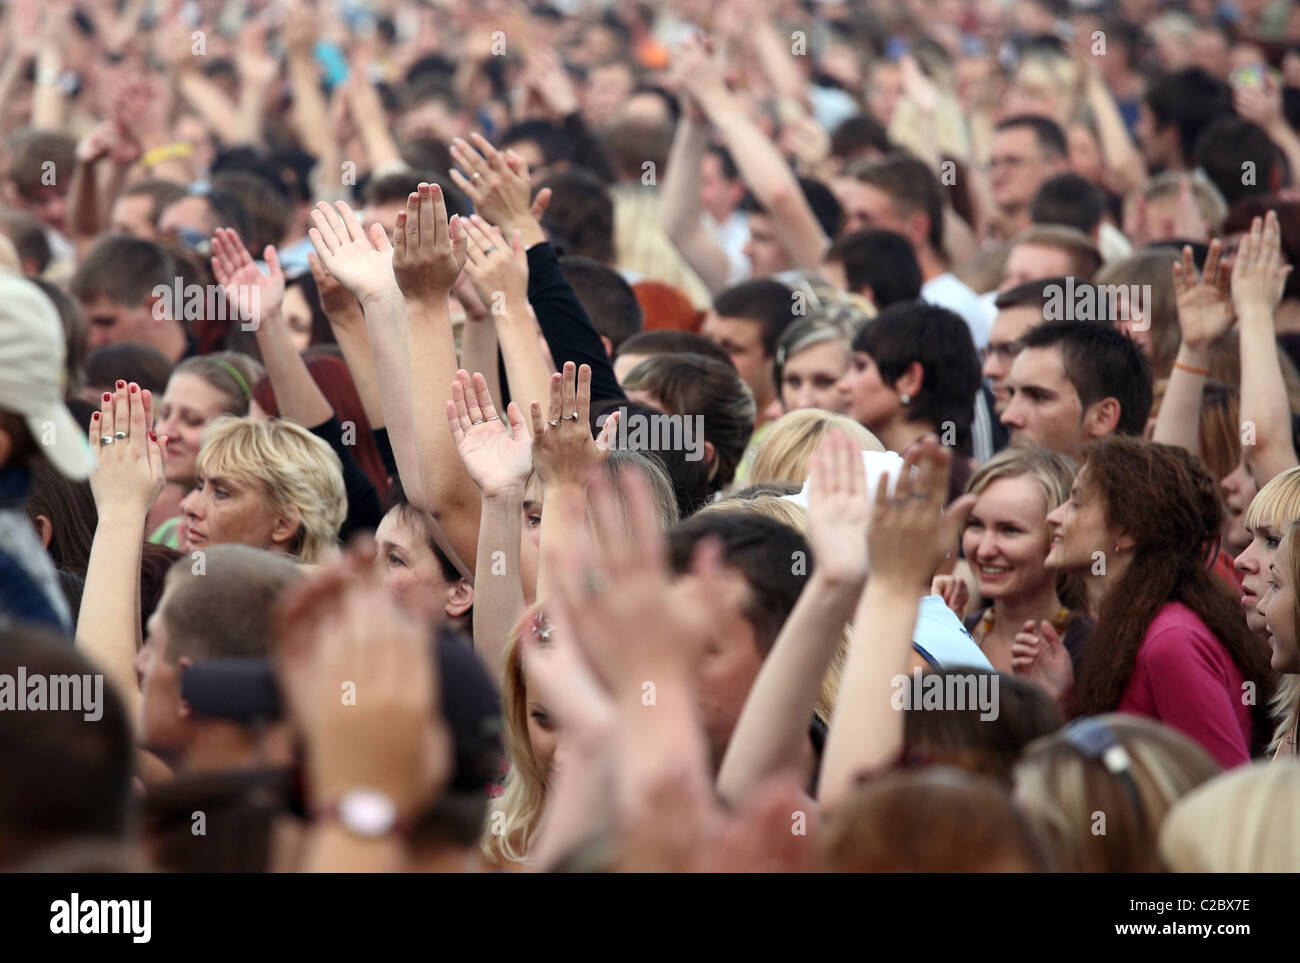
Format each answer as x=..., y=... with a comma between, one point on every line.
x=838, y=510
x=255, y=296
x=428, y=250
x=500, y=191
x=363, y=265
x=563, y=449
x=497, y=268
x=132, y=465
x=910, y=533
x=497, y=458
x=391, y=737
x=340, y=306
x=1259, y=274
x=1037, y=654
x=1204, y=310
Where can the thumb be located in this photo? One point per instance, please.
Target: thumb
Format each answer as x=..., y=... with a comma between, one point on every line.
x=1049, y=634
x=272, y=260
x=541, y=203
x=954, y=516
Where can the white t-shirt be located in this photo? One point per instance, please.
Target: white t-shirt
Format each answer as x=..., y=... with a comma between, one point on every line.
x=940, y=633
x=948, y=292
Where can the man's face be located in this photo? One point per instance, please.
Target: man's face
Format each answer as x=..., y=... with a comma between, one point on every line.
x=133, y=215
x=1010, y=325
x=727, y=668
x=164, y=723
x=742, y=339
x=114, y=323
x=48, y=204
x=187, y=221
x=1043, y=407
x=1019, y=167
x=1033, y=262
x=867, y=207
x=718, y=196
x=767, y=255
x=1158, y=144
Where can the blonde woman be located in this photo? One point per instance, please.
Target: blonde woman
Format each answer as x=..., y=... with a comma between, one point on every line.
x=1242, y=822
x=1098, y=790
x=1271, y=514
x=270, y=484
x=1005, y=543
x=787, y=449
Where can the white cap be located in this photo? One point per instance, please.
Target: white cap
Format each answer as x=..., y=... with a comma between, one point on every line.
x=876, y=464
x=32, y=351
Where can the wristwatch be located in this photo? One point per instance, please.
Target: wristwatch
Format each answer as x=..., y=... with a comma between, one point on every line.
x=364, y=812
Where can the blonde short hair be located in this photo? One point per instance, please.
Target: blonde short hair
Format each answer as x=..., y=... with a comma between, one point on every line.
x=1053, y=472
x=298, y=472
x=785, y=454
x=1242, y=822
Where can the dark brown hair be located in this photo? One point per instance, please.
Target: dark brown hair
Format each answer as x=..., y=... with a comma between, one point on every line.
x=1164, y=499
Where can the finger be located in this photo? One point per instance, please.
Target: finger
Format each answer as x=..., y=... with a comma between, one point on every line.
x=411, y=224
x=474, y=230
x=484, y=397
x=379, y=238
x=535, y=415
x=459, y=240
x=453, y=417
x=106, y=414
x=540, y=203
x=466, y=185
x=135, y=408
x=121, y=411
x=555, y=406
x=458, y=402
x=490, y=153
x=433, y=216
x=583, y=399
x=400, y=235
x=569, y=389
x=516, y=419
x=471, y=396
x=272, y=259
x=955, y=516
x=333, y=223
x=608, y=432
x=95, y=429
x=351, y=225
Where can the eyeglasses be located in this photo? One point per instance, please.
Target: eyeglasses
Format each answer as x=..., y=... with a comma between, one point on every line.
x=1006, y=350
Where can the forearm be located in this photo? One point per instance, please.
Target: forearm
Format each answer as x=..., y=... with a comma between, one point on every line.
x=579, y=802
x=386, y=325
x=661, y=743
x=773, y=726
x=770, y=178
x=108, y=623
x=329, y=848
x=866, y=731
x=83, y=202
x=1118, y=150
x=560, y=499
x=681, y=208
x=297, y=395
x=527, y=371
x=310, y=112
x=778, y=64
x=252, y=111
x=1280, y=133
x=1179, y=421
x=351, y=338
x=498, y=586
x=478, y=352
x=211, y=103
x=1264, y=403
x=48, y=99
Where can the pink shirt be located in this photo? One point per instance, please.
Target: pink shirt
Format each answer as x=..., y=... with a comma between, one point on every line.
x=1185, y=678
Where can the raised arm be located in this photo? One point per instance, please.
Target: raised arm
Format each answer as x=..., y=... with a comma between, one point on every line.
x=772, y=732
x=1204, y=317
x=681, y=201
x=348, y=323
x=1258, y=276
x=499, y=459
x=126, y=482
x=760, y=163
x=909, y=538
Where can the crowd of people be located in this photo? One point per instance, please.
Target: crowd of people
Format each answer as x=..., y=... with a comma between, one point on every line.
x=750, y=435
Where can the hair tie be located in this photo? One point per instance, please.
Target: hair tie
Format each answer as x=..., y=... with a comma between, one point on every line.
x=234, y=373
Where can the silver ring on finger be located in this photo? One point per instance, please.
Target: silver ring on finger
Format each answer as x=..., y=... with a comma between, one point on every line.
x=478, y=421
x=476, y=177
x=119, y=435
x=489, y=250
x=572, y=417
x=105, y=441
x=555, y=423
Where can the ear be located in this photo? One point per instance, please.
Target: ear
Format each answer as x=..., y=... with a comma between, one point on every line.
x=183, y=709
x=459, y=599
x=1101, y=418
x=910, y=381
x=45, y=529
x=286, y=527
x=6, y=447
x=772, y=411
x=710, y=456
x=609, y=347
x=1125, y=542
x=918, y=228
x=159, y=312
x=869, y=294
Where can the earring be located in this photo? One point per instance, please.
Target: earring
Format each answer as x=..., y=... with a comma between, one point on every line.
x=905, y=398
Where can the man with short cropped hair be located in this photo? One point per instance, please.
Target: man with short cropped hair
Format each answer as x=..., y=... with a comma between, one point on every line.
x=1073, y=382
x=747, y=321
x=118, y=286
x=1049, y=250
x=1027, y=150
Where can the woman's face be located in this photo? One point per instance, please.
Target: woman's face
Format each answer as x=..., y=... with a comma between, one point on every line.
x=409, y=567
x=297, y=316
x=543, y=734
x=222, y=510
x=1080, y=535
x=1239, y=489
x=532, y=509
x=871, y=402
x=812, y=378
x=1278, y=608
x=1006, y=539
x=188, y=404
x=1253, y=563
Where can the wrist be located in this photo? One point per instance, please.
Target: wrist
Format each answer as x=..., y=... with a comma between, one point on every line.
x=842, y=583
x=1195, y=353
x=510, y=495
x=387, y=296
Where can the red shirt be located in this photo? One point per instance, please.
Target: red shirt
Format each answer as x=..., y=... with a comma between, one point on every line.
x=1185, y=678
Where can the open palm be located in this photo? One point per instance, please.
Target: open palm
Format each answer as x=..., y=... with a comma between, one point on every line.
x=255, y=295
x=363, y=265
x=1204, y=309
x=495, y=458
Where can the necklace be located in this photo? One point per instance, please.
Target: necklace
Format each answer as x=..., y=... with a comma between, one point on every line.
x=1059, y=622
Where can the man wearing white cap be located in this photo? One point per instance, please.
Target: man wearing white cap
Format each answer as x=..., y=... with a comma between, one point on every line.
x=34, y=423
